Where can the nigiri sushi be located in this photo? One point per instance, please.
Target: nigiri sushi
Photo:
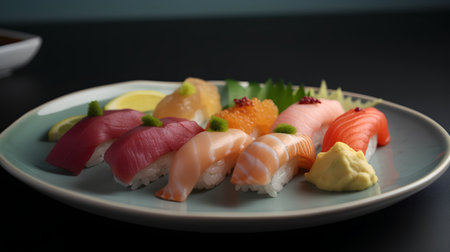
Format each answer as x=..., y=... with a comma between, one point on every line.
x=272, y=160
x=145, y=153
x=204, y=161
x=311, y=117
x=253, y=116
x=195, y=100
x=361, y=129
x=86, y=142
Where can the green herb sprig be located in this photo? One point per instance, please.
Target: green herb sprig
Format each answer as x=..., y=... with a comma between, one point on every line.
x=280, y=93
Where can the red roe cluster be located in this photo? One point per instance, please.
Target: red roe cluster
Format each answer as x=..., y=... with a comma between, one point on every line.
x=309, y=100
x=357, y=109
x=244, y=101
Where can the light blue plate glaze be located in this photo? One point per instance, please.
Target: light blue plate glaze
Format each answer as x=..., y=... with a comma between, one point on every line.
x=417, y=155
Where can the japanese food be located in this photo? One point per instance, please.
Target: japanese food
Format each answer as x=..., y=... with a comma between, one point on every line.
x=361, y=129
x=87, y=141
x=203, y=162
x=254, y=117
x=311, y=117
x=195, y=100
x=263, y=141
x=145, y=153
x=271, y=161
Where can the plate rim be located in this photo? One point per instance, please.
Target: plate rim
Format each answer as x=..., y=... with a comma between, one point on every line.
x=92, y=201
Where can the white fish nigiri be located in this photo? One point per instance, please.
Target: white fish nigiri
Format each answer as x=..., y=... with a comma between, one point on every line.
x=311, y=117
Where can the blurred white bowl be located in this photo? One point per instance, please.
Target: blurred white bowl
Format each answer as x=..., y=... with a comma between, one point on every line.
x=16, y=49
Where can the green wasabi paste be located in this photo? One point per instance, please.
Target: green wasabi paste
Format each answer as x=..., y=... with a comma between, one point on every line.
x=94, y=109
x=218, y=124
x=285, y=128
x=186, y=89
x=149, y=120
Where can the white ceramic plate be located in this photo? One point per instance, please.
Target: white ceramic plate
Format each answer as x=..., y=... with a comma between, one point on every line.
x=405, y=166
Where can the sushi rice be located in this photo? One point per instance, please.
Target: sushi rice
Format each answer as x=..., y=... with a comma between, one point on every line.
x=317, y=137
x=279, y=179
x=152, y=172
x=99, y=153
x=215, y=173
x=372, y=147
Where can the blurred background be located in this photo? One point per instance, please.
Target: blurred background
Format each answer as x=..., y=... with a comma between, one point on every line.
x=21, y=11
x=373, y=47
x=398, y=50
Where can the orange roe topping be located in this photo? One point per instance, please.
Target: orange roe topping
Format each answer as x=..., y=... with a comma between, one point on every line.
x=254, y=117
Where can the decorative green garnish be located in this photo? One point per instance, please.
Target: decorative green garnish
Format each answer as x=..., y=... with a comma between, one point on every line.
x=186, y=89
x=283, y=95
x=218, y=124
x=149, y=120
x=285, y=128
x=94, y=109
x=280, y=93
x=346, y=102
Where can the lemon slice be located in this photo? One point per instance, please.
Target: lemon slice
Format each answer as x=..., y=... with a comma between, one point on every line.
x=140, y=100
x=60, y=128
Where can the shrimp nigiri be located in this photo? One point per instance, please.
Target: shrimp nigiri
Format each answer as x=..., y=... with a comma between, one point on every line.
x=145, y=153
x=87, y=141
x=195, y=100
x=272, y=160
x=361, y=129
x=204, y=161
x=311, y=117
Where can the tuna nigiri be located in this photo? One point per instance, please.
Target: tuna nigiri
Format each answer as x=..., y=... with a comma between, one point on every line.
x=253, y=116
x=361, y=129
x=145, y=153
x=195, y=100
x=311, y=117
x=87, y=141
x=203, y=162
x=271, y=161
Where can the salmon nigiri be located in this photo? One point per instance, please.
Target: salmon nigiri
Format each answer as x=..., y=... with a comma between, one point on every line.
x=145, y=153
x=204, y=161
x=361, y=129
x=195, y=100
x=87, y=141
x=272, y=160
x=311, y=117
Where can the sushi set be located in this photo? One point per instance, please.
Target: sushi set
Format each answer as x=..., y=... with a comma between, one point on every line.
x=266, y=149
x=314, y=161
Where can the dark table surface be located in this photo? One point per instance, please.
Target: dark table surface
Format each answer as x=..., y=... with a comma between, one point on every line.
x=400, y=57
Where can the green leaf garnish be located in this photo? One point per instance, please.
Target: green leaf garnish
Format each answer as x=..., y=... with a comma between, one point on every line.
x=280, y=93
x=235, y=91
x=300, y=93
x=283, y=95
x=346, y=102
